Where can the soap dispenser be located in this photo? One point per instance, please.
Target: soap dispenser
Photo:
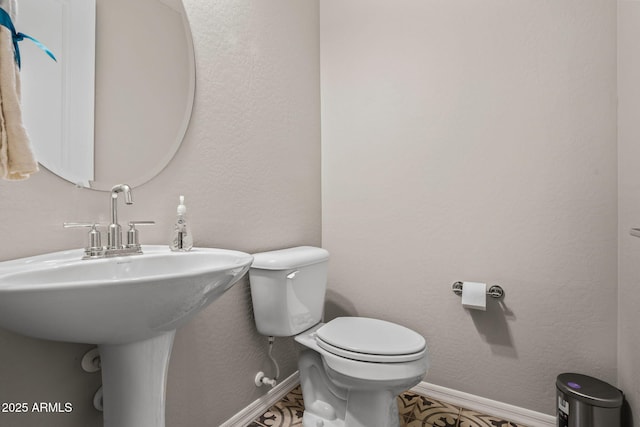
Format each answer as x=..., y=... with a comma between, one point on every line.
x=181, y=239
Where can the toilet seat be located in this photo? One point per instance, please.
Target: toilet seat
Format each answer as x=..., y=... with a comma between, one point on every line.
x=370, y=340
x=364, y=370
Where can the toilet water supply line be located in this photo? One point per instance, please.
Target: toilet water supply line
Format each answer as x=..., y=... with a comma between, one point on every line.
x=261, y=378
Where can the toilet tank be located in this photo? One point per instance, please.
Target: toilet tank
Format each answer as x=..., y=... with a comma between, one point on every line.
x=287, y=289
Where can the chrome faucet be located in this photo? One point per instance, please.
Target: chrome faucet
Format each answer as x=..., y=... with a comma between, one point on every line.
x=114, y=230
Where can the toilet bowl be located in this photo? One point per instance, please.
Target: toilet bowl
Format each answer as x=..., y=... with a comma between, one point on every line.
x=357, y=386
x=353, y=368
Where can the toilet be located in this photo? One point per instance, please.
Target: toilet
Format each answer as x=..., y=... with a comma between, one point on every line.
x=353, y=368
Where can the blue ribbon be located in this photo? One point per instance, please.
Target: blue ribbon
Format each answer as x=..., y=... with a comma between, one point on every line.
x=5, y=21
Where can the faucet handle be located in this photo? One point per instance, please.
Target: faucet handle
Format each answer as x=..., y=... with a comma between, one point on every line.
x=95, y=241
x=81, y=224
x=134, y=223
x=132, y=234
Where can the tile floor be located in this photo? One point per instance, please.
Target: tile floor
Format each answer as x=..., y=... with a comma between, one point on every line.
x=415, y=411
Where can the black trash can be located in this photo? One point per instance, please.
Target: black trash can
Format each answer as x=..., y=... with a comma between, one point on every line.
x=585, y=401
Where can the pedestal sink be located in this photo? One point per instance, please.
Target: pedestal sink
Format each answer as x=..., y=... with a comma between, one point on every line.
x=129, y=306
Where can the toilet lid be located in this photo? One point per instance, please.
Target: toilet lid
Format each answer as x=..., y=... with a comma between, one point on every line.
x=374, y=340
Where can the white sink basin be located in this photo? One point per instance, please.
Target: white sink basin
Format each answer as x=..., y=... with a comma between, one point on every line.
x=130, y=306
x=116, y=300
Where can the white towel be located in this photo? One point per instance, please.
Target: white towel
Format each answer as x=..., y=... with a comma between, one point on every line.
x=16, y=156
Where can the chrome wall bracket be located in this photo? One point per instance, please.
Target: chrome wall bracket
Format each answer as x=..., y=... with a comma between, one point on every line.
x=494, y=291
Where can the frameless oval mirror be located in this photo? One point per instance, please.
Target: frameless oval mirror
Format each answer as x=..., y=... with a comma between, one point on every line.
x=144, y=87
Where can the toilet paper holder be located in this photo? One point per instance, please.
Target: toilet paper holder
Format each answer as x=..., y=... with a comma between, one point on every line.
x=494, y=291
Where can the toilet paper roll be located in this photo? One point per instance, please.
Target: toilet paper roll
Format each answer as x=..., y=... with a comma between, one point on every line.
x=474, y=295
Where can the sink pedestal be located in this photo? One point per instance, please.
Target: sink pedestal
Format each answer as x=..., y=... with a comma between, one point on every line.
x=134, y=378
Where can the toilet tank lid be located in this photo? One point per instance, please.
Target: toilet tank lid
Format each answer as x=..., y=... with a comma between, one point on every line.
x=286, y=259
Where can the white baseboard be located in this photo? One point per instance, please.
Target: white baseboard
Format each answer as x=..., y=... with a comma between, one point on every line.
x=486, y=406
x=260, y=405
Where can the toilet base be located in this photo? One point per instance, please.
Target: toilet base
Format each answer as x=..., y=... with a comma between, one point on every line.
x=328, y=403
x=366, y=408
x=359, y=415
x=311, y=420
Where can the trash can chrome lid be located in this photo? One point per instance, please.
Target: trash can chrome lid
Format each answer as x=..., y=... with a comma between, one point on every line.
x=589, y=390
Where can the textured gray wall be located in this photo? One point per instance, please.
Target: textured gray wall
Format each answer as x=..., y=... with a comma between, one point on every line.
x=250, y=170
x=476, y=141
x=629, y=201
